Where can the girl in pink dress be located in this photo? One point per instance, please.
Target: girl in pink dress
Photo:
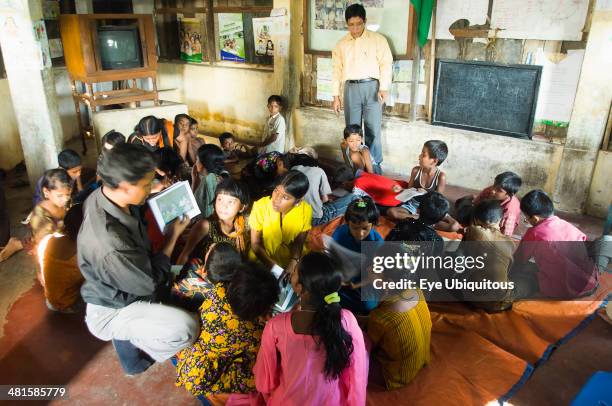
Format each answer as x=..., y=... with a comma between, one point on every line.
x=314, y=355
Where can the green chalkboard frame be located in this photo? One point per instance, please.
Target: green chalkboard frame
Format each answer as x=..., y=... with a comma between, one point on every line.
x=438, y=120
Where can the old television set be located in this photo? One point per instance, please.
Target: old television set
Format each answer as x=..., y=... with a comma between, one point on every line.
x=107, y=47
x=119, y=47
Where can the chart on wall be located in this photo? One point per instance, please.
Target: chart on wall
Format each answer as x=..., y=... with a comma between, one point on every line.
x=231, y=37
x=388, y=17
x=561, y=20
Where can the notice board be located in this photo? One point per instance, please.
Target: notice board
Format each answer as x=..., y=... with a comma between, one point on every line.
x=485, y=96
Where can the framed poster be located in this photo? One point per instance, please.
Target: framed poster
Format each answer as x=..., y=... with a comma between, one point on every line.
x=191, y=35
x=325, y=25
x=231, y=37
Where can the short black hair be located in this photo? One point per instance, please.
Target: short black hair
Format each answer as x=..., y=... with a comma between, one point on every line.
x=168, y=161
x=537, y=203
x=125, y=163
x=437, y=149
x=355, y=10
x=222, y=262
x=148, y=125
x=433, y=208
x=72, y=221
x=295, y=183
x=276, y=99
x=488, y=211
x=352, y=129
x=231, y=187
x=362, y=209
x=252, y=292
x=180, y=117
x=290, y=160
x=192, y=121
x=212, y=158
x=68, y=159
x=224, y=137
x=55, y=178
x=464, y=208
x=509, y=181
x=112, y=138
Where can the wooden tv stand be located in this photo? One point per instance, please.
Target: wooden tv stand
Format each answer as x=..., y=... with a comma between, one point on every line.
x=84, y=63
x=94, y=99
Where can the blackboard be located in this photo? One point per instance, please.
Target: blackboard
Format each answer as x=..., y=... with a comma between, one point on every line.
x=487, y=97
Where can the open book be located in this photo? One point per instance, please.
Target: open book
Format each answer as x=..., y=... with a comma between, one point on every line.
x=174, y=202
x=408, y=194
x=287, y=297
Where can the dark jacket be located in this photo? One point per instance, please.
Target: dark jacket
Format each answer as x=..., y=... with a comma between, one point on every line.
x=114, y=256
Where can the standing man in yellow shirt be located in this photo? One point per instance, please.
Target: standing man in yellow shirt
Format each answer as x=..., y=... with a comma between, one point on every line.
x=362, y=60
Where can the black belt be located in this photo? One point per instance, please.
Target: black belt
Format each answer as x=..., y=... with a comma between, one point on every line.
x=361, y=80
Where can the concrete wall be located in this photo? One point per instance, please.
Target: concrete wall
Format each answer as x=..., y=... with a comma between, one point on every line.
x=220, y=98
x=601, y=186
x=10, y=145
x=473, y=161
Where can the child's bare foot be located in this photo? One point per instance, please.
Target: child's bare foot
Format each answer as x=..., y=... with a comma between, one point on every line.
x=14, y=245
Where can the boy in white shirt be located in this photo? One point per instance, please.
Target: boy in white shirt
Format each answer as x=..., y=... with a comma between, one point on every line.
x=275, y=128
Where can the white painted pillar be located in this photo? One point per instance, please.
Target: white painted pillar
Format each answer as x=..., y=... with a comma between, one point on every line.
x=32, y=86
x=589, y=116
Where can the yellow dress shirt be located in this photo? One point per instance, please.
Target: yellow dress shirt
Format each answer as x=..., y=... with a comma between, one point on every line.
x=368, y=56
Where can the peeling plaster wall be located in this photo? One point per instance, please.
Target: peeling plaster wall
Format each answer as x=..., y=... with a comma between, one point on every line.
x=473, y=160
x=601, y=186
x=220, y=98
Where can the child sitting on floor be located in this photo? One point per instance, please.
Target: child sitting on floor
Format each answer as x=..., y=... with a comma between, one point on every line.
x=218, y=265
x=275, y=127
x=323, y=210
x=400, y=332
x=110, y=139
x=234, y=151
x=232, y=317
x=484, y=238
x=184, y=137
x=151, y=133
x=315, y=354
x=426, y=177
x=562, y=268
x=355, y=153
x=80, y=178
x=432, y=208
x=48, y=216
x=280, y=223
x=59, y=271
x=504, y=189
x=208, y=170
x=361, y=216
x=227, y=224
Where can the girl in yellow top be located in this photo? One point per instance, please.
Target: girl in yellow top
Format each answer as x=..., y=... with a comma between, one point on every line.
x=280, y=223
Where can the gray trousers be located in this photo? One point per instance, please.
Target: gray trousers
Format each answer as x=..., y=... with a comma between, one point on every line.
x=159, y=330
x=361, y=103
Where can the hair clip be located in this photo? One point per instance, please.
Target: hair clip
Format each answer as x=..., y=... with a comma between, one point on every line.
x=362, y=204
x=332, y=298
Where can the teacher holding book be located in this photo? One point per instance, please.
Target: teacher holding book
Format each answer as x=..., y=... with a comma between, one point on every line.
x=362, y=60
x=124, y=282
